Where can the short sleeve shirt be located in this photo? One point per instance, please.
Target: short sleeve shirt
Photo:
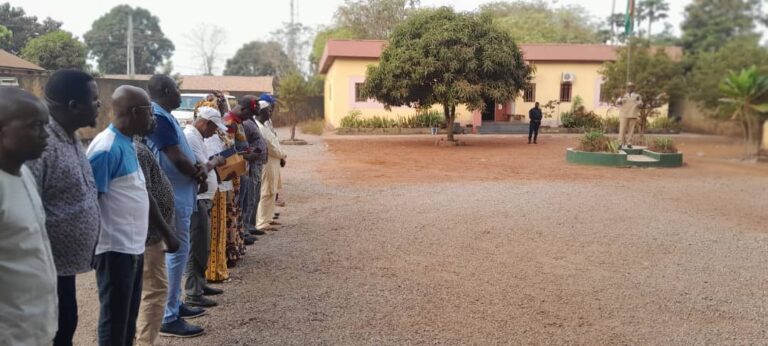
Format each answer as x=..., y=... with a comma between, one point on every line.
x=159, y=187
x=66, y=185
x=197, y=143
x=28, y=303
x=168, y=133
x=123, y=198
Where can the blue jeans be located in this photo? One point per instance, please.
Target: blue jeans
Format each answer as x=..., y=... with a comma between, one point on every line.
x=250, y=193
x=176, y=263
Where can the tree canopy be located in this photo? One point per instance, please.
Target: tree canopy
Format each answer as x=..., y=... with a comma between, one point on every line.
x=107, y=41
x=745, y=93
x=321, y=38
x=373, y=19
x=535, y=21
x=443, y=57
x=710, y=24
x=22, y=27
x=259, y=58
x=6, y=36
x=56, y=50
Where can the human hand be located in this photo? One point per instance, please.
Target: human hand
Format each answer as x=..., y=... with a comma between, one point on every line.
x=282, y=162
x=172, y=244
x=219, y=161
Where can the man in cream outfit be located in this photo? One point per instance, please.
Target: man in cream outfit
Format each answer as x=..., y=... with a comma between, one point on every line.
x=270, y=174
x=629, y=104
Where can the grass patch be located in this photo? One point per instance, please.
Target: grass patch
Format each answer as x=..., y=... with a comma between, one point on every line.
x=313, y=127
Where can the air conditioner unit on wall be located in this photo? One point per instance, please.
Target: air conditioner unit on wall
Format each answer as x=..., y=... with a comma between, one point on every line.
x=568, y=77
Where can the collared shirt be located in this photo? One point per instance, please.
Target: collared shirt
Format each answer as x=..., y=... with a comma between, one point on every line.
x=168, y=133
x=122, y=193
x=160, y=189
x=215, y=144
x=65, y=182
x=28, y=303
x=535, y=114
x=197, y=143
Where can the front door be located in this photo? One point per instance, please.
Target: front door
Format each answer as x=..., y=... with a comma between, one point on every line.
x=489, y=112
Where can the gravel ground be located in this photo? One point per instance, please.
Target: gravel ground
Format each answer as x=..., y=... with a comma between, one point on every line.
x=392, y=241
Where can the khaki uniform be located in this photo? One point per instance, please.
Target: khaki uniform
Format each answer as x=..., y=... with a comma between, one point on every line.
x=270, y=177
x=628, y=113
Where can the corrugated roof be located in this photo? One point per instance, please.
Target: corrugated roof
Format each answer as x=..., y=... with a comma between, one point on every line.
x=9, y=60
x=223, y=83
x=352, y=49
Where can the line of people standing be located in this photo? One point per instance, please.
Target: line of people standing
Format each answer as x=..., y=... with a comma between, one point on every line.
x=143, y=206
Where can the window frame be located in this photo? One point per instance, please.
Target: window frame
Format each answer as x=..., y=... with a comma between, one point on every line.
x=569, y=92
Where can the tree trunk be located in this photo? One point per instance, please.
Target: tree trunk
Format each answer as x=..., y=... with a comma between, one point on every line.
x=650, y=22
x=754, y=137
x=450, y=114
x=293, y=131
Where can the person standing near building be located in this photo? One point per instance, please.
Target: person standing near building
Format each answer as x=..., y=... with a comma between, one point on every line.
x=533, y=128
x=124, y=207
x=65, y=182
x=270, y=174
x=630, y=104
x=170, y=146
x=28, y=303
x=207, y=123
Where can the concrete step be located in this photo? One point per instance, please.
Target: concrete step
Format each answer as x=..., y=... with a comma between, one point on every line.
x=640, y=158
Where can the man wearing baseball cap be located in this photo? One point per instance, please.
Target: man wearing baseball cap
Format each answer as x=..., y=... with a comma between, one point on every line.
x=206, y=124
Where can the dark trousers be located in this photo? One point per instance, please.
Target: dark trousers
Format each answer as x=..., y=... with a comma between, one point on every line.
x=65, y=287
x=199, y=248
x=533, y=130
x=118, y=277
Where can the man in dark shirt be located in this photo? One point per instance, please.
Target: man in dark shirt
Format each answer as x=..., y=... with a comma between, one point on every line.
x=533, y=128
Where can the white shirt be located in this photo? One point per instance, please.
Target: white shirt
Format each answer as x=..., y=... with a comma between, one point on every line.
x=197, y=144
x=215, y=145
x=28, y=302
x=123, y=197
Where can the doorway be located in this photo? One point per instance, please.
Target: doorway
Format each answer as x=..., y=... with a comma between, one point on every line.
x=489, y=112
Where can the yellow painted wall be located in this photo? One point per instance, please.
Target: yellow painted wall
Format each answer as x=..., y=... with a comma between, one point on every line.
x=339, y=94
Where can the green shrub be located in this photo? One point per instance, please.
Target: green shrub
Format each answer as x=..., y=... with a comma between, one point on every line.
x=663, y=145
x=664, y=123
x=351, y=120
x=419, y=120
x=597, y=141
x=313, y=127
x=581, y=118
x=611, y=124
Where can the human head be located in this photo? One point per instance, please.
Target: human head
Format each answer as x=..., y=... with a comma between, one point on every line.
x=23, y=117
x=164, y=91
x=133, y=111
x=630, y=87
x=208, y=121
x=72, y=97
x=247, y=107
x=536, y=105
x=265, y=111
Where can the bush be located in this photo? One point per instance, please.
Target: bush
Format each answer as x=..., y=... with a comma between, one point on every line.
x=597, y=141
x=663, y=145
x=418, y=120
x=611, y=124
x=664, y=123
x=581, y=118
x=313, y=127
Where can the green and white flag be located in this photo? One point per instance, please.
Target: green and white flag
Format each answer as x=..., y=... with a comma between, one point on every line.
x=629, y=18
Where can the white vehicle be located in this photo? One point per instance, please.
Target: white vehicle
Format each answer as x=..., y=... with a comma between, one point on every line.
x=186, y=111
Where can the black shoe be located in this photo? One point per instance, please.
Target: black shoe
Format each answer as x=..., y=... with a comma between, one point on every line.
x=181, y=329
x=200, y=301
x=277, y=216
x=190, y=312
x=211, y=291
x=249, y=239
x=257, y=232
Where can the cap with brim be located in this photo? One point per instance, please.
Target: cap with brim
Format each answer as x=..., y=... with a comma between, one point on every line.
x=213, y=115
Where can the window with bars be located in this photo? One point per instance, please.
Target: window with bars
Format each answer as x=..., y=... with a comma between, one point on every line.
x=565, y=92
x=529, y=94
x=358, y=93
x=605, y=96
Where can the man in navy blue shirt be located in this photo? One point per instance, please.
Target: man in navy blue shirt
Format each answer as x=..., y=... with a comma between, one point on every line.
x=533, y=128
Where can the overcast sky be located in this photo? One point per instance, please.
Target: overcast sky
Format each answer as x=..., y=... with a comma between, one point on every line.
x=248, y=20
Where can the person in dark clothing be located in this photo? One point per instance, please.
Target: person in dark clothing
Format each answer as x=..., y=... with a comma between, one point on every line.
x=533, y=128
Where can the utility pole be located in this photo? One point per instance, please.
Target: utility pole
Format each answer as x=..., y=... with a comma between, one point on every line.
x=292, y=34
x=613, y=25
x=130, y=64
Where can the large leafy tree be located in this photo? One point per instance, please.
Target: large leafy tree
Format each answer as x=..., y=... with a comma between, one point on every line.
x=710, y=24
x=321, y=38
x=293, y=98
x=23, y=27
x=107, y=41
x=745, y=94
x=373, y=19
x=447, y=58
x=535, y=21
x=657, y=77
x=652, y=11
x=259, y=59
x=6, y=36
x=56, y=50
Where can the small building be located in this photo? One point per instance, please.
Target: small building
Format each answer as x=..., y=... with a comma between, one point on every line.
x=563, y=72
x=232, y=85
x=12, y=67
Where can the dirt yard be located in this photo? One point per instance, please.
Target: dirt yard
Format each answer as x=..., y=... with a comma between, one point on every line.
x=393, y=241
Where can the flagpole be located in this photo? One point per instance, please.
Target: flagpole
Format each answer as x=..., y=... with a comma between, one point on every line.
x=629, y=26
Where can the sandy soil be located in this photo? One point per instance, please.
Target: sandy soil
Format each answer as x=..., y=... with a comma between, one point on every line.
x=393, y=241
